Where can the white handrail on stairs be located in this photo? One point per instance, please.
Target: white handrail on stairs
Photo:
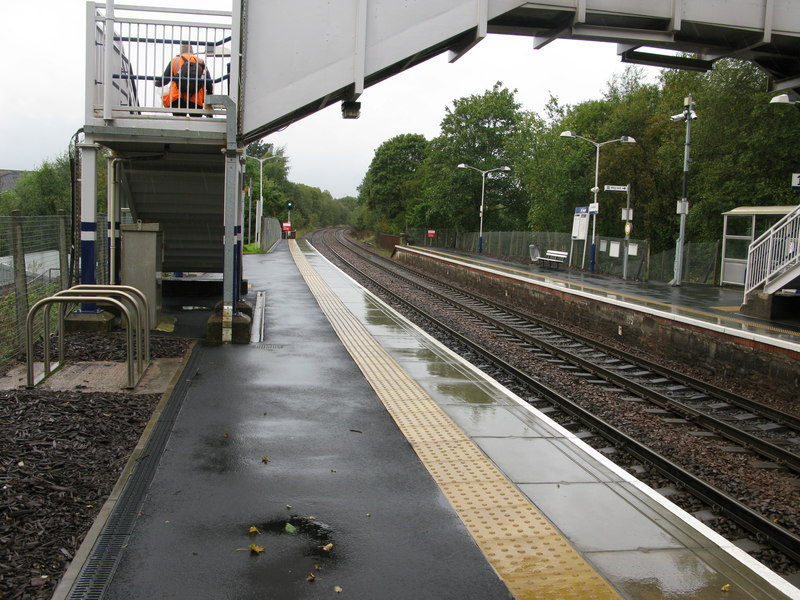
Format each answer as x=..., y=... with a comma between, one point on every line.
x=773, y=252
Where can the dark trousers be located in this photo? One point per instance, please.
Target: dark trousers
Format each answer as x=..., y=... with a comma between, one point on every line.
x=184, y=103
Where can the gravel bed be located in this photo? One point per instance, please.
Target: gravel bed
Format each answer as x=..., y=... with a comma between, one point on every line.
x=60, y=455
x=773, y=493
x=80, y=347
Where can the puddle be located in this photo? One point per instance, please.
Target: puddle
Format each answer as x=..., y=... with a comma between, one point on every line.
x=305, y=528
x=293, y=557
x=307, y=536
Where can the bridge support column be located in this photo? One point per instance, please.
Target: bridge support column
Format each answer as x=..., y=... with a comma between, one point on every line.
x=88, y=214
x=232, y=321
x=89, y=317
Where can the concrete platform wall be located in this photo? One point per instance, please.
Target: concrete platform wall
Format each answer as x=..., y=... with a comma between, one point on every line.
x=774, y=369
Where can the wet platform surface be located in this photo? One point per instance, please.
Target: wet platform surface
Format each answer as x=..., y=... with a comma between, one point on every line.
x=706, y=305
x=287, y=430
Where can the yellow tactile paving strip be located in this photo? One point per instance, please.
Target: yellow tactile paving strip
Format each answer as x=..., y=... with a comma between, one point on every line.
x=527, y=551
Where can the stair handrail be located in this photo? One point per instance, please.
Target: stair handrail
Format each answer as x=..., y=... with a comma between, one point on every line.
x=773, y=251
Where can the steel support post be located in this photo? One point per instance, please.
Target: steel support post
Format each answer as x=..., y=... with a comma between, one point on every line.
x=231, y=274
x=683, y=205
x=88, y=217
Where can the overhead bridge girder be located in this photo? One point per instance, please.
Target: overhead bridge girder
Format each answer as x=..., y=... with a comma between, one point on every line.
x=300, y=57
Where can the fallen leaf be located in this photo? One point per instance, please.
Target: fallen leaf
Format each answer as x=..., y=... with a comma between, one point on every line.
x=265, y=459
x=290, y=528
x=310, y=518
x=318, y=567
x=254, y=530
x=226, y=435
x=256, y=549
x=288, y=507
x=311, y=577
x=337, y=589
x=326, y=547
x=726, y=587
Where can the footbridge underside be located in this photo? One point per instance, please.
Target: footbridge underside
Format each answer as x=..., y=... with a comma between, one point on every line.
x=309, y=55
x=273, y=63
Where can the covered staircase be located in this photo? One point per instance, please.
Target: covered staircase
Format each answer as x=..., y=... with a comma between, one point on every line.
x=168, y=169
x=772, y=282
x=183, y=193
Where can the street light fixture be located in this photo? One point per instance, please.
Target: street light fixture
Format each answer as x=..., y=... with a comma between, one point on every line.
x=595, y=190
x=688, y=115
x=260, y=205
x=483, y=189
x=785, y=99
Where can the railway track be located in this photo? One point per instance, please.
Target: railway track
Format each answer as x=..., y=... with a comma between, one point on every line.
x=675, y=399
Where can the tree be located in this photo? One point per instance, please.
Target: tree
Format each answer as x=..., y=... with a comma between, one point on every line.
x=391, y=185
x=272, y=173
x=551, y=171
x=476, y=131
x=48, y=188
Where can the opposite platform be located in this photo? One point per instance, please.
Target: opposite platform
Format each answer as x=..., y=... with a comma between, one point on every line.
x=708, y=306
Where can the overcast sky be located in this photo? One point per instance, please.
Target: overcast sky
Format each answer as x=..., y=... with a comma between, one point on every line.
x=42, y=104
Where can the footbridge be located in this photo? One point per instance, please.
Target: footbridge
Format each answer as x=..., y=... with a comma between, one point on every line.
x=273, y=63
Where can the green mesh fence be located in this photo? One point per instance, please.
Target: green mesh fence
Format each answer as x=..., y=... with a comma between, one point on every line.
x=701, y=261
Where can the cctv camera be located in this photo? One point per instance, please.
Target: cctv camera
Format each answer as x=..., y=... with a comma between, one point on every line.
x=678, y=117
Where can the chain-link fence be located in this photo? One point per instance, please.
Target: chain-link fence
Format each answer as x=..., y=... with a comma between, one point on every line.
x=33, y=265
x=35, y=262
x=701, y=261
x=701, y=264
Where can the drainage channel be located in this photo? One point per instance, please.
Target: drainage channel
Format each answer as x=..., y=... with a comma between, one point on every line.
x=99, y=568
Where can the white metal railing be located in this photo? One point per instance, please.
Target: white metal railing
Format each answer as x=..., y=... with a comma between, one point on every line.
x=774, y=252
x=132, y=48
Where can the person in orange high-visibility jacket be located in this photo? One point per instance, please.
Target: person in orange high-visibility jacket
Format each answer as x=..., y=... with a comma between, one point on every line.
x=173, y=96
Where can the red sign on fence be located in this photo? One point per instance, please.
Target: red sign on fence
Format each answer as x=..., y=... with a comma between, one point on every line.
x=286, y=227
x=431, y=233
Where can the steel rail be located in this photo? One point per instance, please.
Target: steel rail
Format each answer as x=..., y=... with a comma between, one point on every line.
x=763, y=447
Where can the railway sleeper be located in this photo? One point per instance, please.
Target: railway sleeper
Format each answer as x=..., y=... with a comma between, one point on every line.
x=775, y=427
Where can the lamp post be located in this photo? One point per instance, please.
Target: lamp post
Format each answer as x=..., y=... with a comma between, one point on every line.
x=483, y=190
x=260, y=204
x=249, y=209
x=687, y=115
x=595, y=190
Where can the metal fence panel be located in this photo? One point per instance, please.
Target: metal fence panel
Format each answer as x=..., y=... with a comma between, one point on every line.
x=701, y=261
x=270, y=232
x=38, y=271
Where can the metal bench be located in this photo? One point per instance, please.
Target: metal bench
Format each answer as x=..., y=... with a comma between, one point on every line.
x=552, y=258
